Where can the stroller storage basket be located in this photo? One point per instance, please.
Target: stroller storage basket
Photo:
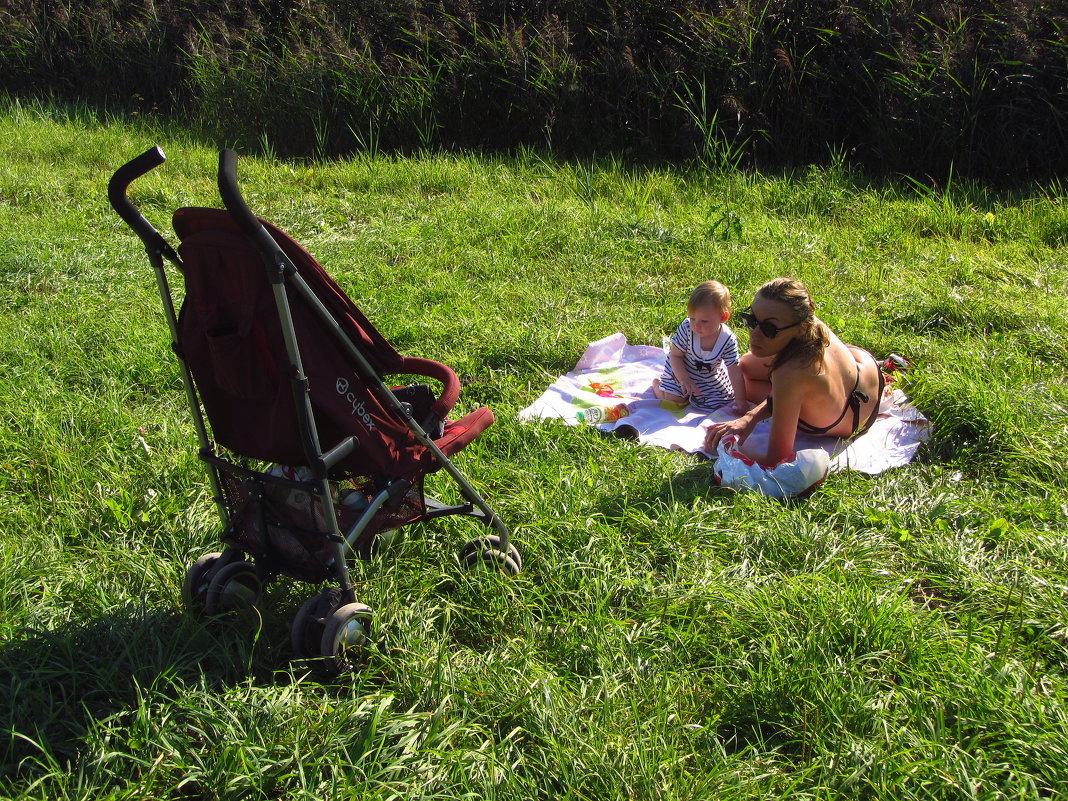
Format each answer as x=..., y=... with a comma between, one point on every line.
x=311, y=453
x=282, y=519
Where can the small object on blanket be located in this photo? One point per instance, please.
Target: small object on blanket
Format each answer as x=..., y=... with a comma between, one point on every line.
x=602, y=414
x=793, y=479
x=891, y=366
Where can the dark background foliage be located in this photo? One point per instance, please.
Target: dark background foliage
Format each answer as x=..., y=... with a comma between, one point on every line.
x=927, y=88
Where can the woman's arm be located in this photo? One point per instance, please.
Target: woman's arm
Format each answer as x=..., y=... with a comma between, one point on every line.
x=787, y=392
x=740, y=427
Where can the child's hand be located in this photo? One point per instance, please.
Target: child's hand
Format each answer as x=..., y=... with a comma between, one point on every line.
x=738, y=406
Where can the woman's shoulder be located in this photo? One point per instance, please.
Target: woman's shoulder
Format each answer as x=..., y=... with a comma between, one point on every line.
x=796, y=370
x=794, y=376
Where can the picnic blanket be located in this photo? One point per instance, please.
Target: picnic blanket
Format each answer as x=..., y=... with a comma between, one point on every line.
x=612, y=372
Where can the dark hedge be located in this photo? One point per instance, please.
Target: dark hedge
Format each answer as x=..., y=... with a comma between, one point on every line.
x=977, y=88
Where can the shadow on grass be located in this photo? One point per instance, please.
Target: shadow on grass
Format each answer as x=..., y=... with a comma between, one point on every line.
x=698, y=481
x=56, y=684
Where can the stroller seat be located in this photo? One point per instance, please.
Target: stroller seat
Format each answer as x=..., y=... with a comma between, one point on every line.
x=232, y=338
x=312, y=451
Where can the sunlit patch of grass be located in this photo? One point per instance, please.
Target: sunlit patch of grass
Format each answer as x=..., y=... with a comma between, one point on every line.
x=902, y=635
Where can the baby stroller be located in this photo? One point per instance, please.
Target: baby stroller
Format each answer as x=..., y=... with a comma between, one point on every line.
x=311, y=455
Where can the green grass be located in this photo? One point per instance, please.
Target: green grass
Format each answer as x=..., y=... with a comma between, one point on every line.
x=902, y=636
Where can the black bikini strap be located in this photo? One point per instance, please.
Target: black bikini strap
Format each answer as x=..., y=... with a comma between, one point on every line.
x=853, y=401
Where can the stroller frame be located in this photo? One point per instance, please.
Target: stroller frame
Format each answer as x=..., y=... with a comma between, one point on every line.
x=332, y=626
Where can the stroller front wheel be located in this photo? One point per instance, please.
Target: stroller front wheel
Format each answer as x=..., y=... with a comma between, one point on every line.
x=346, y=633
x=309, y=623
x=195, y=586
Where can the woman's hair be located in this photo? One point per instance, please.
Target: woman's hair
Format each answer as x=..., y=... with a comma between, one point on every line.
x=710, y=292
x=809, y=346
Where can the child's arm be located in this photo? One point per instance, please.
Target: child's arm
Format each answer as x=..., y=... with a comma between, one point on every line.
x=682, y=373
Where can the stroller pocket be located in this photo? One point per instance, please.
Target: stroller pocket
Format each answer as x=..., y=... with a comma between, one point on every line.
x=241, y=363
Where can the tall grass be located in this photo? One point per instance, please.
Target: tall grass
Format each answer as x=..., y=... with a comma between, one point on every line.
x=922, y=88
x=901, y=636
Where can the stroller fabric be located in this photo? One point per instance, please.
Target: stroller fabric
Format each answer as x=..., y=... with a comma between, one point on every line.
x=231, y=339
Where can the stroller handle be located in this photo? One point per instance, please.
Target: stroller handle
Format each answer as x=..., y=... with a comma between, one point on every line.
x=239, y=210
x=120, y=182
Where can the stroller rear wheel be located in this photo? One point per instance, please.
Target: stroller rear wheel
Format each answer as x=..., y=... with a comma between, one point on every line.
x=487, y=550
x=346, y=633
x=234, y=588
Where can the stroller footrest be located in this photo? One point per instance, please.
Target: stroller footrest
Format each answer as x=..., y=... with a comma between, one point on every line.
x=435, y=508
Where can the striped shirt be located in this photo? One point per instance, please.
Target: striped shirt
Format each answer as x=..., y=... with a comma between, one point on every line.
x=707, y=368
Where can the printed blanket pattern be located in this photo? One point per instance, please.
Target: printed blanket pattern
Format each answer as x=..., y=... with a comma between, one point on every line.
x=612, y=372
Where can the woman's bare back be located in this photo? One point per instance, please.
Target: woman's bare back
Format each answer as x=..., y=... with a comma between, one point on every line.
x=826, y=409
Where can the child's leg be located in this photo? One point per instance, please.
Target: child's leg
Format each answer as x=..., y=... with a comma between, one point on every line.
x=757, y=375
x=666, y=388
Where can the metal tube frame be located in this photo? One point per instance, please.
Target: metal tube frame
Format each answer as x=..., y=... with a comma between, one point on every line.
x=282, y=270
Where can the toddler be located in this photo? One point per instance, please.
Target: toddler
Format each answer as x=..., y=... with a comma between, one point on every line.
x=702, y=363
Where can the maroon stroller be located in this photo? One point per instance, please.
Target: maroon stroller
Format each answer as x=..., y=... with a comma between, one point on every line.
x=311, y=454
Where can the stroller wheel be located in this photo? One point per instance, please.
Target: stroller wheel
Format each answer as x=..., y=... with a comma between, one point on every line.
x=346, y=633
x=306, y=633
x=195, y=586
x=234, y=588
x=488, y=549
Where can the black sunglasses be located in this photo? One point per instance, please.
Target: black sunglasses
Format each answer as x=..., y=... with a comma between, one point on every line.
x=770, y=330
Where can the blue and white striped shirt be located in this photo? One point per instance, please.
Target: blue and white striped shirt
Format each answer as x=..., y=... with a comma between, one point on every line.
x=707, y=368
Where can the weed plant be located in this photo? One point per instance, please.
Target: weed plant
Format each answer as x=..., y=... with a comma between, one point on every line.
x=899, y=636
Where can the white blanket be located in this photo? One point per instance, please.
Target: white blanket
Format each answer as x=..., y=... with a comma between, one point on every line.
x=611, y=372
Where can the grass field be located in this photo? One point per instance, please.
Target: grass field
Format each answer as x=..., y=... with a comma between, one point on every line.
x=895, y=637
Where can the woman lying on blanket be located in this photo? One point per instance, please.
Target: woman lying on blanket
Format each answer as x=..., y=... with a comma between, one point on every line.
x=801, y=375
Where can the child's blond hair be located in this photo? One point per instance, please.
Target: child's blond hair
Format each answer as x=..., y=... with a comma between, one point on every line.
x=710, y=292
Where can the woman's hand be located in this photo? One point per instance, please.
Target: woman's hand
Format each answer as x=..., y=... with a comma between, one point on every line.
x=740, y=428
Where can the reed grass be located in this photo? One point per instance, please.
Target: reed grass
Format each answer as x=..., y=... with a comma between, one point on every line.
x=924, y=88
